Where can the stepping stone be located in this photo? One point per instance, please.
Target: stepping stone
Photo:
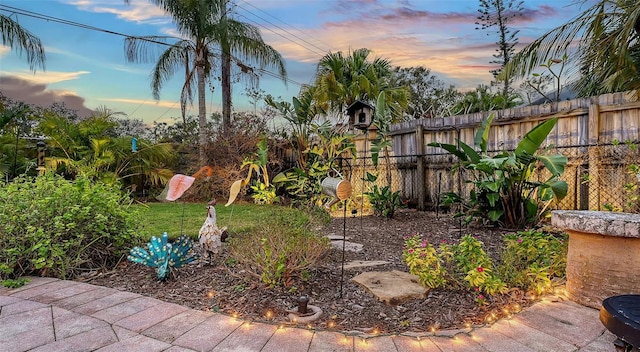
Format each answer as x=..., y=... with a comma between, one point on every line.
x=363, y=264
x=392, y=287
x=348, y=246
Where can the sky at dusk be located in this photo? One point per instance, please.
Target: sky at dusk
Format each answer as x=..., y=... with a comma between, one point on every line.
x=87, y=68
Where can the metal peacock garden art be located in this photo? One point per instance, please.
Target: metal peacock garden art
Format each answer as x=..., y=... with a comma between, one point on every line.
x=163, y=255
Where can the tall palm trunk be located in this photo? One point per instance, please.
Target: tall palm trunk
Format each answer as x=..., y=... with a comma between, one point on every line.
x=202, y=113
x=226, y=91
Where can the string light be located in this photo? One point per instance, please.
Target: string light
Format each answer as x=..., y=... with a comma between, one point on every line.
x=489, y=319
x=269, y=314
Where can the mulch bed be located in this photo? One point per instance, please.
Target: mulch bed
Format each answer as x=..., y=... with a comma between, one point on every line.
x=226, y=288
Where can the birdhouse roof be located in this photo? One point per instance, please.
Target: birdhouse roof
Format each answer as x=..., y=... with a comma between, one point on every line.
x=357, y=105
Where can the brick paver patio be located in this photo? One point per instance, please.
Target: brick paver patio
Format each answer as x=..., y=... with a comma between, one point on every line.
x=56, y=315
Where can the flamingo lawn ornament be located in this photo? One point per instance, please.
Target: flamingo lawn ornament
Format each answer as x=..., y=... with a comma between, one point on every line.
x=179, y=183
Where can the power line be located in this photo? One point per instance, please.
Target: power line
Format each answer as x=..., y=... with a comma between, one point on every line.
x=139, y=106
x=18, y=11
x=290, y=26
x=322, y=51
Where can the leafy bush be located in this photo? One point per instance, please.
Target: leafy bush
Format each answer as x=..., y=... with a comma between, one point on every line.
x=315, y=162
x=383, y=201
x=452, y=266
x=532, y=258
x=279, y=250
x=264, y=194
x=55, y=227
x=530, y=261
x=505, y=192
x=424, y=261
x=474, y=264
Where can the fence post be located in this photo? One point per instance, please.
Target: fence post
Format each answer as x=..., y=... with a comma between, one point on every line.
x=594, y=160
x=420, y=167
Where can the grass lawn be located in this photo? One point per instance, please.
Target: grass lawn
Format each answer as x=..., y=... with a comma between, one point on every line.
x=168, y=217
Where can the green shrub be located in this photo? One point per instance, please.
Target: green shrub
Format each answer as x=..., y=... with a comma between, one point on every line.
x=531, y=259
x=54, y=227
x=424, y=261
x=279, y=250
x=452, y=266
x=384, y=201
x=505, y=190
x=474, y=264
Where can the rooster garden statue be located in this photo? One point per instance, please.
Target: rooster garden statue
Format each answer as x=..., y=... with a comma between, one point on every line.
x=163, y=255
x=210, y=236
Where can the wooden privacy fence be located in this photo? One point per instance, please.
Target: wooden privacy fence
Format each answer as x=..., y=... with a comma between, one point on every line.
x=598, y=135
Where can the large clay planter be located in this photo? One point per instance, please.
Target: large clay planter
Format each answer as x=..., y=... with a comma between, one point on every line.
x=604, y=254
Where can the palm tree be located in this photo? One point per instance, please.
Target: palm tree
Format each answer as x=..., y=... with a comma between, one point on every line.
x=603, y=42
x=19, y=39
x=208, y=33
x=341, y=80
x=88, y=148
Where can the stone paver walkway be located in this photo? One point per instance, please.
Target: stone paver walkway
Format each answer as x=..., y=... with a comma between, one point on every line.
x=49, y=315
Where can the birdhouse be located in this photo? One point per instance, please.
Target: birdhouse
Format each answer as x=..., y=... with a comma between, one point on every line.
x=360, y=115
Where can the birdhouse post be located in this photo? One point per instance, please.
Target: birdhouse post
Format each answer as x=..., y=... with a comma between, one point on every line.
x=41, y=155
x=361, y=115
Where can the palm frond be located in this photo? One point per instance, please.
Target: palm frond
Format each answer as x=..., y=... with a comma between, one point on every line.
x=22, y=41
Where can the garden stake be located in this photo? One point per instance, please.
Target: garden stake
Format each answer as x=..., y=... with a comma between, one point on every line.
x=182, y=223
x=364, y=166
x=459, y=189
x=438, y=197
x=230, y=215
x=344, y=239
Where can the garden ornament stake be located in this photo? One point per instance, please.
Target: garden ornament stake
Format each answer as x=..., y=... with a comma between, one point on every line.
x=340, y=190
x=361, y=116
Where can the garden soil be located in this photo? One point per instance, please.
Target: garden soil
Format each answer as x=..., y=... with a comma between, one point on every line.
x=223, y=286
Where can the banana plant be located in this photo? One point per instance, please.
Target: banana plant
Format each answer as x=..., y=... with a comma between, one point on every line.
x=505, y=191
x=264, y=192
